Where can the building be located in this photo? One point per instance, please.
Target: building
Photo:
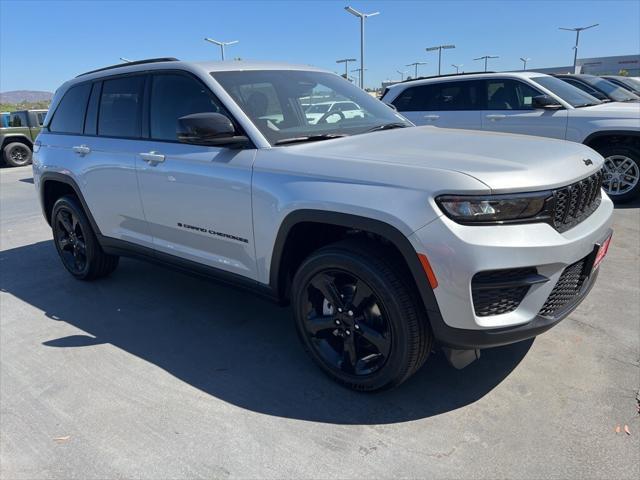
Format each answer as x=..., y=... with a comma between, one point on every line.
x=601, y=66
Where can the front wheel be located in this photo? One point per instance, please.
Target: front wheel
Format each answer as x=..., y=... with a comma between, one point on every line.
x=17, y=154
x=357, y=317
x=621, y=170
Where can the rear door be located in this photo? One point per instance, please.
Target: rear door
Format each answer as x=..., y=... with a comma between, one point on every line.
x=509, y=108
x=451, y=104
x=197, y=199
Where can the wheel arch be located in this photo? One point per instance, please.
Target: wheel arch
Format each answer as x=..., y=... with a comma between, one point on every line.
x=54, y=185
x=280, y=258
x=596, y=139
x=17, y=138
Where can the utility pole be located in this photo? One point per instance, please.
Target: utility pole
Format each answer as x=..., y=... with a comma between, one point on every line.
x=575, y=49
x=485, y=58
x=362, y=17
x=346, y=65
x=439, y=48
x=401, y=75
x=525, y=60
x=415, y=64
x=457, y=67
x=220, y=44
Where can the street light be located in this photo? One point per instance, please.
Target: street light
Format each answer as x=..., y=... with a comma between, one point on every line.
x=525, y=60
x=346, y=65
x=362, y=17
x=357, y=71
x=401, y=74
x=485, y=58
x=415, y=64
x=439, y=48
x=126, y=60
x=577, y=30
x=220, y=44
x=457, y=67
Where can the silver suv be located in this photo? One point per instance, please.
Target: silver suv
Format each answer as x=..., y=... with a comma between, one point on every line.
x=384, y=237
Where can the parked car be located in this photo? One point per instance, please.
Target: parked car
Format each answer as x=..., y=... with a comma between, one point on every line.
x=16, y=138
x=384, y=237
x=599, y=87
x=333, y=111
x=629, y=83
x=532, y=104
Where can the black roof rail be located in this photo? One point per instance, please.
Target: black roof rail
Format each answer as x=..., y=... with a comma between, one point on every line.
x=126, y=64
x=446, y=75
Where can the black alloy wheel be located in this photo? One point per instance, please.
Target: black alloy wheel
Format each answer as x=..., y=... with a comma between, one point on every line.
x=70, y=240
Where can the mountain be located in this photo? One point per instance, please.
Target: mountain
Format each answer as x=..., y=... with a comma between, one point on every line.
x=25, y=96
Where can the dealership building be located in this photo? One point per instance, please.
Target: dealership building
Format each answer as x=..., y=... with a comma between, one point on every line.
x=601, y=66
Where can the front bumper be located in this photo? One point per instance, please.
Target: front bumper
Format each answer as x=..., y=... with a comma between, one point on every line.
x=457, y=252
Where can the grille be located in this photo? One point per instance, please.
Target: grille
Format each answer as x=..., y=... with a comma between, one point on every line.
x=576, y=202
x=567, y=289
x=495, y=292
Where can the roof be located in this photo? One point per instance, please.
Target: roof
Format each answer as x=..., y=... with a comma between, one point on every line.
x=469, y=76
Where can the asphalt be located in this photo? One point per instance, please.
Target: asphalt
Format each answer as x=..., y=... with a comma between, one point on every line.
x=151, y=373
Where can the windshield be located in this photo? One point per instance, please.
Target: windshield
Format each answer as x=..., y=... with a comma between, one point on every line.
x=284, y=104
x=611, y=90
x=570, y=94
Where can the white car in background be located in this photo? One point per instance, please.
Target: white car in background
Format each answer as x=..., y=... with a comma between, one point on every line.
x=333, y=111
x=532, y=104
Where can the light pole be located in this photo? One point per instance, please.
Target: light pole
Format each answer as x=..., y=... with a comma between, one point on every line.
x=575, y=49
x=457, y=67
x=362, y=17
x=126, y=60
x=415, y=64
x=485, y=58
x=346, y=65
x=358, y=72
x=439, y=48
x=401, y=74
x=525, y=60
x=220, y=44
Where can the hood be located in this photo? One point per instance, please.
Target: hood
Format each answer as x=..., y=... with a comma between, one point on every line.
x=503, y=162
x=610, y=110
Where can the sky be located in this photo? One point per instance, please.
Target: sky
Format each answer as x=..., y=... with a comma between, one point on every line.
x=44, y=43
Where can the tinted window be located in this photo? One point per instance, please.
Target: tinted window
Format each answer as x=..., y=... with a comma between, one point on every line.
x=41, y=116
x=440, y=96
x=69, y=116
x=413, y=99
x=91, y=122
x=174, y=96
x=509, y=95
x=568, y=93
x=120, y=104
x=18, y=119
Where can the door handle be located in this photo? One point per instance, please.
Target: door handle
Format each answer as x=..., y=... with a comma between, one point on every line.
x=152, y=157
x=81, y=150
x=432, y=118
x=497, y=116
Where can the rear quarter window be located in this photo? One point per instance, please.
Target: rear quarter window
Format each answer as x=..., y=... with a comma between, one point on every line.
x=69, y=116
x=120, y=107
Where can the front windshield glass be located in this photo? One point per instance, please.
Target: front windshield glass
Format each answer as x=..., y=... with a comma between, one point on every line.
x=611, y=90
x=289, y=104
x=570, y=94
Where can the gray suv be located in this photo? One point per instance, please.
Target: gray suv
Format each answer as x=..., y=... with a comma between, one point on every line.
x=384, y=237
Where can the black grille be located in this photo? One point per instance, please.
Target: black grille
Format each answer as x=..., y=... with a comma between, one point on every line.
x=567, y=289
x=576, y=202
x=495, y=292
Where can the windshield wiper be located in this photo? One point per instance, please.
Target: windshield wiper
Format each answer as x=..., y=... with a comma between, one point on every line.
x=387, y=126
x=309, y=138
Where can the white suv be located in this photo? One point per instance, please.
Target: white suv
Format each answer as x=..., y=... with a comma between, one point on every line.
x=384, y=237
x=532, y=104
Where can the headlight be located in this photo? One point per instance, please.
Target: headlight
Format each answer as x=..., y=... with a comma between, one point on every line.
x=516, y=208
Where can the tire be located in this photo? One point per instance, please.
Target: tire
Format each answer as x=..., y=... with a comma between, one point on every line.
x=17, y=154
x=76, y=242
x=621, y=159
x=352, y=301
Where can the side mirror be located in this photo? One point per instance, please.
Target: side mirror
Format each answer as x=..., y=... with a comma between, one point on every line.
x=545, y=101
x=209, y=128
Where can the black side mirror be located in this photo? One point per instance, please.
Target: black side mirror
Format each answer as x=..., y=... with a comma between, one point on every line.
x=209, y=128
x=545, y=101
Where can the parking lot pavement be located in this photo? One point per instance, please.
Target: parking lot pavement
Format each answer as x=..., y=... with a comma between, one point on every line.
x=154, y=374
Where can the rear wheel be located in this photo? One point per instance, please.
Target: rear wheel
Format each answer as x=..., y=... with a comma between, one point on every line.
x=357, y=317
x=621, y=172
x=76, y=242
x=17, y=154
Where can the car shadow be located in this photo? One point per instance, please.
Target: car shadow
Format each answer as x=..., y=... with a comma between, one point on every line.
x=229, y=343
x=632, y=204
x=27, y=180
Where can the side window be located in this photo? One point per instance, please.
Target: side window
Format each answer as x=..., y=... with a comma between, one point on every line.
x=18, y=119
x=120, y=107
x=413, y=99
x=509, y=95
x=41, y=116
x=174, y=96
x=452, y=96
x=69, y=116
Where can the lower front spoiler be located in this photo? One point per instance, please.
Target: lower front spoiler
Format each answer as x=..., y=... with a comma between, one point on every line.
x=465, y=339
